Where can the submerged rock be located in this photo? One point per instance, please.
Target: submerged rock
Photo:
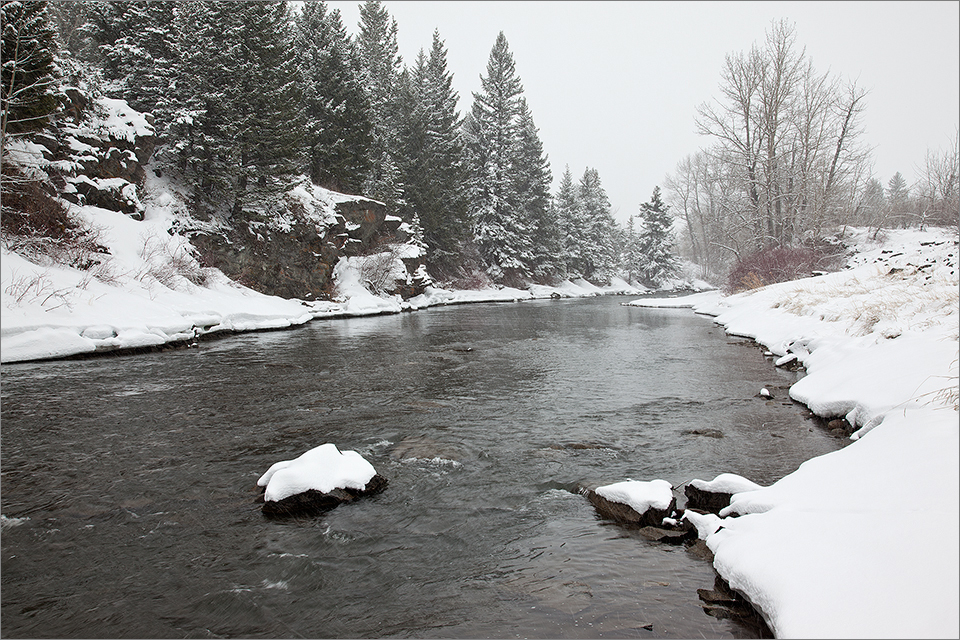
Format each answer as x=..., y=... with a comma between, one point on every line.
x=672, y=535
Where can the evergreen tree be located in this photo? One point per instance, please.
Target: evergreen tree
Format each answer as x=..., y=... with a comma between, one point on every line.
x=135, y=46
x=238, y=122
x=898, y=200
x=569, y=215
x=632, y=257
x=380, y=66
x=29, y=70
x=599, y=253
x=337, y=128
x=532, y=179
x=655, y=244
x=435, y=171
x=501, y=231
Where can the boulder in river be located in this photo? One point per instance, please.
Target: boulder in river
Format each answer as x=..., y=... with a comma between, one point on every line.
x=319, y=479
x=634, y=501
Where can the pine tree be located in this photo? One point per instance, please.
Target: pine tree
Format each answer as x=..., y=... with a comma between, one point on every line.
x=532, y=178
x=435, y=171
x=238, y=123
x=380, y=65
x=337, y=128
x=569, y=214
x=599, y=253
x=135, y=46
x=29, y=70
x=655, y=244
x=501, y=231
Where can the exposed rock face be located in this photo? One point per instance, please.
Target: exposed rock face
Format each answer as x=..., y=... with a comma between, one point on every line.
x=312, y=502
x=710, y=501
x=297, y=261
x=100, y=165
x=96, y=155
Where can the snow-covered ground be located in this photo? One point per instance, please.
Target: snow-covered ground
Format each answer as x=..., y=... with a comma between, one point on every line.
x=838, y=548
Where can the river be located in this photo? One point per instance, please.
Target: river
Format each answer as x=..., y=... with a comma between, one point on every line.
x=129, y=482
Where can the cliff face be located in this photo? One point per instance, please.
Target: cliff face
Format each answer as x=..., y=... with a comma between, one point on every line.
x=292, y=253
x=98, y=153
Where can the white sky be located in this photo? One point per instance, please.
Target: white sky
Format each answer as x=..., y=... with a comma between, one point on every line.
x=615, y=85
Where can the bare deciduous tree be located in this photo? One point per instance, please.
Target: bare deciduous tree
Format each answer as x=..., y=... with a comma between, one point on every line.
x=788, y=138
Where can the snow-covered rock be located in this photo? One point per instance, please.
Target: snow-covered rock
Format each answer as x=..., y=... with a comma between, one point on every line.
x=715, y=495
x=634, y=501
x=319, y=479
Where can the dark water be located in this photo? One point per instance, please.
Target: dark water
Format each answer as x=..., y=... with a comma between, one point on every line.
x=135, y=476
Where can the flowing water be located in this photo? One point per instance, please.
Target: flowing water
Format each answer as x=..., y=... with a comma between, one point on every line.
x=129, y=483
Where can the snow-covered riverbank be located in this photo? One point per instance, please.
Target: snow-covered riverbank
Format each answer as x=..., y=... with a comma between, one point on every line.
x=146, y=295
x=832, y=550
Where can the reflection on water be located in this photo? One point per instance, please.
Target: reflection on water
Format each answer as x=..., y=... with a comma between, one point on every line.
x=135, y=476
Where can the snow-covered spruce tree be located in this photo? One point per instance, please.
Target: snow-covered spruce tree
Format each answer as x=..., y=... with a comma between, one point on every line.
x=337, y=129
x=502, y=232
x=380, y=67
x=655, y=243
x=569, y=215
x=134, y=45
x=532, y=180
x=29, y=73
x=238, y=124
x=600, y=255
x=433, y=160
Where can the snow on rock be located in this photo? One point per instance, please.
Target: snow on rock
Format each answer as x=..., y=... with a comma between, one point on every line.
x=706, y=523
x=634, y=501
x=639, y=495
x=715, y=495
x=726, y=483
x=320, y=478
x=322, y=468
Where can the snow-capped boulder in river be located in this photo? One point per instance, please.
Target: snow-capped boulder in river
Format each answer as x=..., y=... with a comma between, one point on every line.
x=634, y=501
x=319, y=479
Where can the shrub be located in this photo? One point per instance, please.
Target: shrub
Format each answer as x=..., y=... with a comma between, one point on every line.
x=37, y=225
x=780, y=264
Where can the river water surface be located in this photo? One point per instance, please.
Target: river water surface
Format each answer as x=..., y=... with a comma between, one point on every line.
x=129, y=483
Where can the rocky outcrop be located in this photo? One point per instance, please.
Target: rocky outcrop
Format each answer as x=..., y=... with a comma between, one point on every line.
x=313, y=502
x=97, y=152
x=296, y=259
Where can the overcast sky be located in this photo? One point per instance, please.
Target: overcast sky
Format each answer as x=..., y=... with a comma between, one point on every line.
x=615, y=85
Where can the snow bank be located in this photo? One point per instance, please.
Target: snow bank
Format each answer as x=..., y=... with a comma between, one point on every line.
x=832, y=549
x=322, y=468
